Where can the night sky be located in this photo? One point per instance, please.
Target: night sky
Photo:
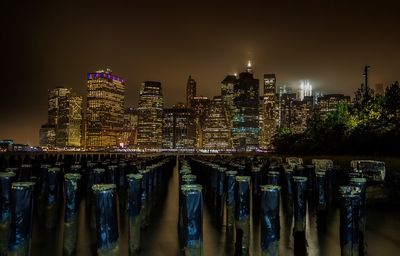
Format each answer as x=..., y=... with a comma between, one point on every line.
x=47, y=45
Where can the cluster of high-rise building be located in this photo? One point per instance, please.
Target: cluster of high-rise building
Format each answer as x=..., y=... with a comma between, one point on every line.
x=241, y=118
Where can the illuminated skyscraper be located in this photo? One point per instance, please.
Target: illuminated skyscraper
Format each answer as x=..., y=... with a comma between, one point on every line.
x=69, y=125
x=286, y=108
x=150, y=116
x=284, y=89
x=216, y=133
x=269, y=116
x=190, y=91
x=47, y=133
x=329, y=102
x=228, y=95
x=64, y=124
x=179, y=128
x=228, y=92
x=317, y=94
x=301, y=111
x=47, y=136
x=269, y=84
x=53, y=108
x=200, y=105
x=105, y=109
x=129, y=130
x=245, y=125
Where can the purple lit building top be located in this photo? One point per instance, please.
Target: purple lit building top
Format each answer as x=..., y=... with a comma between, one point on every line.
x=104, y=74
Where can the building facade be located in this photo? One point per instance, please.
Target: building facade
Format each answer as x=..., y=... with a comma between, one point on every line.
x=200, y=105
x=179, y=128
x=228, y=94
x=329, y=102
x=150, y=116
x=269, y=115
x=105, y=109
x=286, y=108
x=64, y=125
x=301, y=112
x=216, y=132
x=47, y=136
x=245, y=122
x=69, y=125
x=190, y=91
x=129, y=130
x=53, y=106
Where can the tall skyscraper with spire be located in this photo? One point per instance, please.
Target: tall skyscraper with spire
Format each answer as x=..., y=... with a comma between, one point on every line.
x=190, y=91
x=245, y=122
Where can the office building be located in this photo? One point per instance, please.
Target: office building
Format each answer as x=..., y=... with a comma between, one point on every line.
x=150, y=116
x=269, y=111
x=104, y=109
x=179, y=128
x=285, y=110
x=200, y=105
x=64, y=125
x=216, y=132
x=190, y=91
x=69, y=124
x=329, y=102
x=129, y=130
x=228, y=94
x=301, y=111
x=47, y=136
x=245, y=122
x=53, y=106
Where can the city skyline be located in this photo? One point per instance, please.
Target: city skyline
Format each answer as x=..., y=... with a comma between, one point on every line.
x=243, y=117
x=294, y=41
x=296, y=95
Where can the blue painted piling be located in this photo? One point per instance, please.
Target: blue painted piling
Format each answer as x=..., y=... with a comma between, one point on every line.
x=242, y=214
x=270, y=227
x=6, y=179
x=20, y=237
x=106, y=219
x=134, y=207
x=192, y=215
x=71, y=206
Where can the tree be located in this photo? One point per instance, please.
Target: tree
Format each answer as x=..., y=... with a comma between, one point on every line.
x=363, y=97
x=391, y=102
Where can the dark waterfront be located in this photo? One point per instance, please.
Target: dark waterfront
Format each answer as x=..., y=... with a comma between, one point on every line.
x=161, y=237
